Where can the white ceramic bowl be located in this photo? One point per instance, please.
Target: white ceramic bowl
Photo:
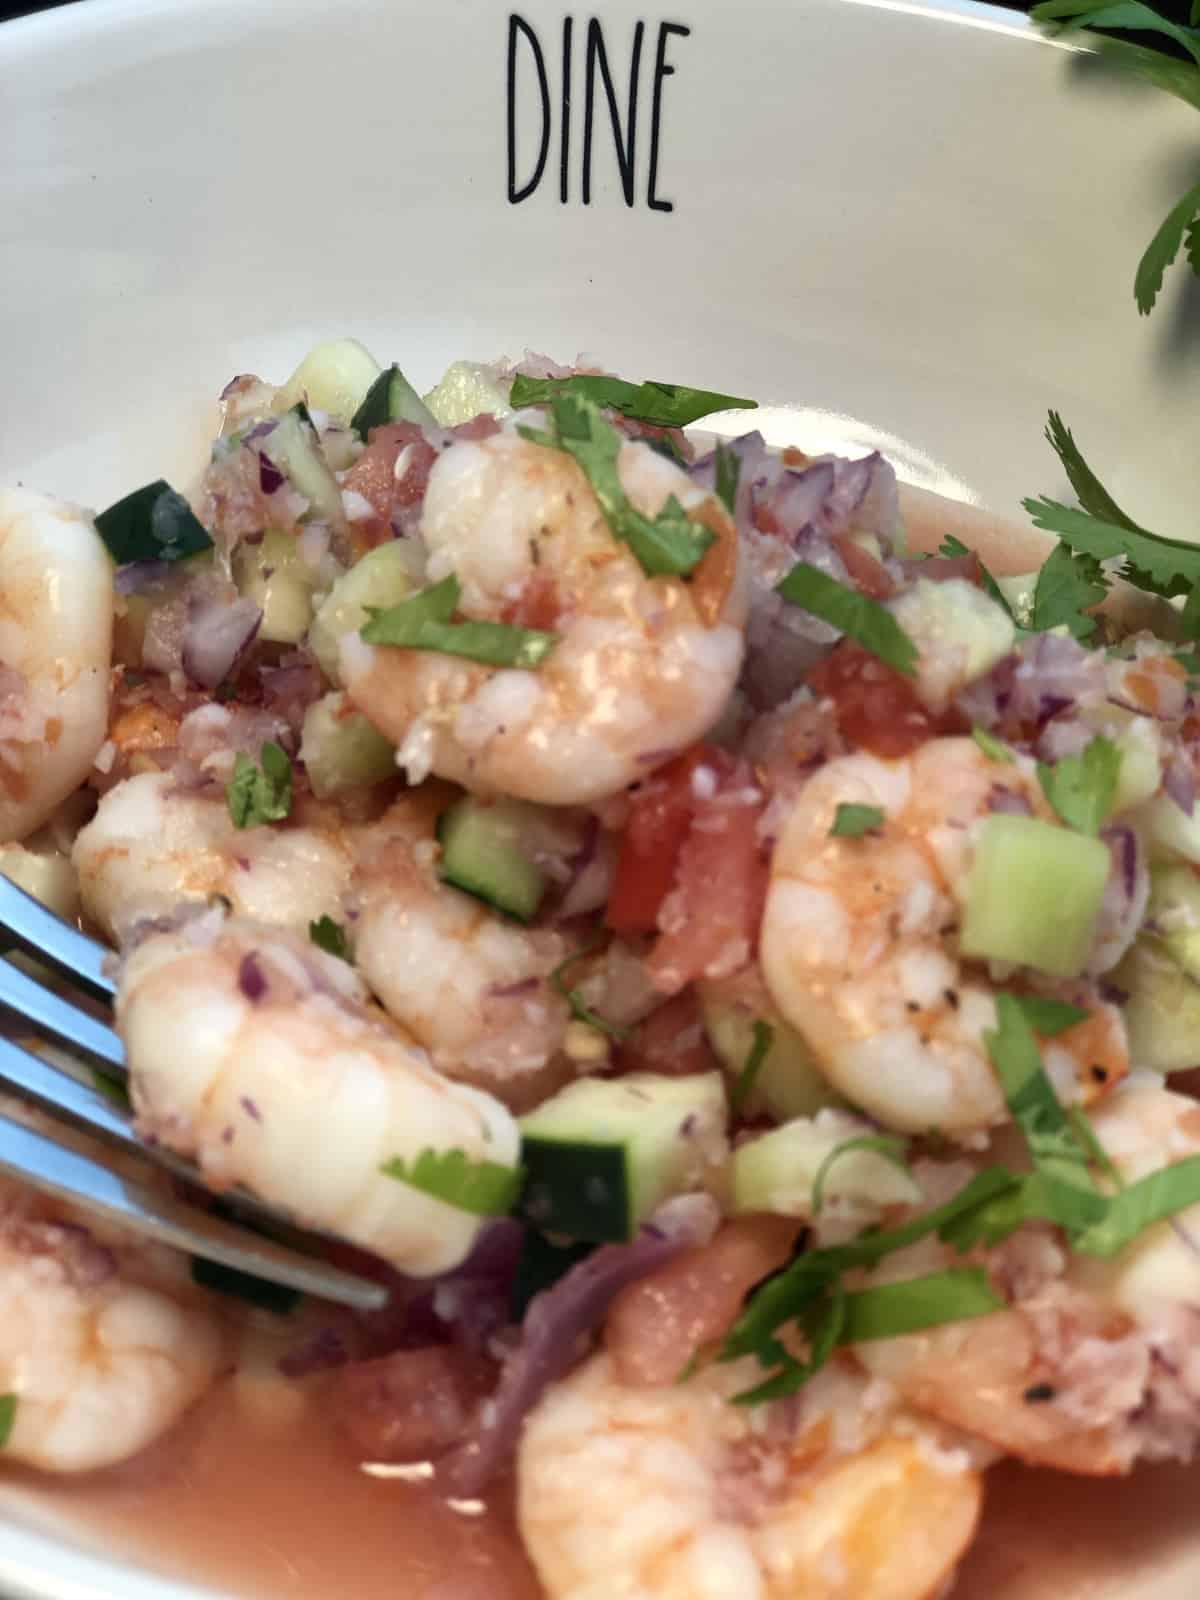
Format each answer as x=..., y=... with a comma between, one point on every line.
x=904, y=224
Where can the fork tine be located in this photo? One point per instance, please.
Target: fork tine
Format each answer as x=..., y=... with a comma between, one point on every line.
x=55, y=1170
x=42, y=934
x=53, y=1015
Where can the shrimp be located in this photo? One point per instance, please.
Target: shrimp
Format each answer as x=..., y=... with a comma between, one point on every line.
x=258, y=1055
x=153, y=846
x=672, y=1493
x=472, y=988
x=56, y=609
x=1093, y=1364
x=643, y=666
x=858, y=946
x=103, y=1343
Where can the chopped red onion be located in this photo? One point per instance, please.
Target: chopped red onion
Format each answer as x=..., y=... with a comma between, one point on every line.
x=252, y=980
x=1124, y=904
x=216, y=636
x=1006, y=800
x=558, y=1328
x=269, y=476
x=136, y=576
x=260, y=430
x=1179, y=781
x=250, y=1108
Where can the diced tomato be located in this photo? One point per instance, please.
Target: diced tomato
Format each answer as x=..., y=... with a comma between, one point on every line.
x=658, y=825
x=539, y=605
x=709, y=926
x=481, y=427
x=373, y=475
x=865, y=571
x=877, y=708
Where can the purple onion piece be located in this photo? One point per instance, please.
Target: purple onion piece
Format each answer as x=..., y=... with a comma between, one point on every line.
x=1009, y=801
x=136, y=576
x=260, y=430
x=1179, y=781
x=269, y=476
x=252, y=980
x=558, y=1326
x=323, y=1349
x=216, y=636
x=510, y=991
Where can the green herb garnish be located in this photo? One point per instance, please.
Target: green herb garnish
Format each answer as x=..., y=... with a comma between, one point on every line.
x=664, y=405
x=995, y=749
x=8, y=1415
x=578, y=1007
x=1028, y=1092
x=1048, y=1017
x=761, y=1039
x=1068, y=586
x=422, y=622
x=853, y=821
x=889, y=1310
x=862, y=619
x=154, y=523
x=330, y=936
x=728, y=471
x=484, y=1188
x=950, y=546
x=1081, y=788
x=670, y=544
x=1139, y=1205
x=888, y=1145
x=260, y=793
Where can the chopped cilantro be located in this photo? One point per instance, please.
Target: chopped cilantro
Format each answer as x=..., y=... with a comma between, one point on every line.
x=669, y=544
x=579, y=1009
x=1028, y=1092
x=664, y=405
x=1068, y=586
x=260, y=793
x=852, y=821
x=484, y=1188
x=761, y=1039
x=950, y=546
x=995, y=749
x=1048, y=1017
x=888, y=1145
x=889, y=1310
x=1139, y=1205
x=8, y=1415
x=1081, y=788
x=422, y=622
x=330, y=936
x=860, y=618
x=728, y=471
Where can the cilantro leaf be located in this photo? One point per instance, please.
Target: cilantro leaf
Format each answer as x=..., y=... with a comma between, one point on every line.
x=889, y=1310
x=1166, y=567
x=728, y=470
x=484, y=1188
x=761, y=1040
x=1093, y=496
x=888, y=1145
x=664, y=405
x=330, y=936
x=1081, y=788
x=872, y=625
x=1028, y=1092
x=1048, y=1017
x=260, y=793
x=1123, y=14
x=8, y=1415
x=154, y=523
x=852, y=821
x=422, y=623
x=111, y=1088
x=1165, y=246
x=995, y=749
x=574, y=997
x=1068, y=586
x=670, y=544
x=1139, y=1205
x=950, y=546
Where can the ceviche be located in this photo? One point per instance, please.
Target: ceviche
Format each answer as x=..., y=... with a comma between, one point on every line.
x=724, y=956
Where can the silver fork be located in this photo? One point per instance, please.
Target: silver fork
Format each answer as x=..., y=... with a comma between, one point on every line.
x=58, y=1170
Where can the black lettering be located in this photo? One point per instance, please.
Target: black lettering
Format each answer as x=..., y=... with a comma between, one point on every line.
x=517, y=25
x=564, y=186
x=624, y=139
x=662, y=69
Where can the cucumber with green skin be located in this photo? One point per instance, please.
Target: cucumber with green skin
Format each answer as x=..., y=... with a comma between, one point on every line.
x=292, y=446
x=334, y=376
x=482, y=854
x=379, y=579
x=778, y=1172
x=602, y=1154
x=341, y=749
x=391, y=398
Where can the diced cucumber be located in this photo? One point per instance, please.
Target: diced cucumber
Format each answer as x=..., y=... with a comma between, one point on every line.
x=1162, y=1012
x=334, y=376
x=381, y=578
x=603, y=1153
x=777, y=1172
x=788, y=1083
x=1140, y=772
x=467, y=390
x=48, y=877
x=960, y=633
x=391, y=398
x=341, y=749
x=280, y=582
x=481, y=853
x=1168, y=830
x=1173, y=911
x=1033, y=895
x=292, y=445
